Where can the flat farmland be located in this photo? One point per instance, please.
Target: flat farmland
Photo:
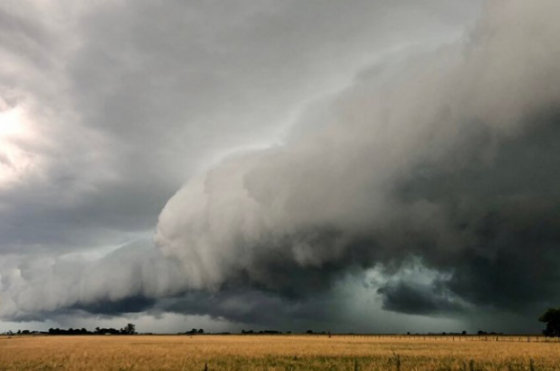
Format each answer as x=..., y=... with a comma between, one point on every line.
x=281, y=353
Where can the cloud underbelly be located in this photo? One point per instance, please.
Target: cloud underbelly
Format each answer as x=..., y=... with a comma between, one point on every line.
x=453, y=164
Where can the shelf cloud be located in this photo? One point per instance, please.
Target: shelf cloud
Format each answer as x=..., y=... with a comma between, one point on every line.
x=452, y=161
x=433, y=169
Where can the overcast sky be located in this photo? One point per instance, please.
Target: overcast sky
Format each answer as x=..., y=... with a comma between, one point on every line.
x=382, y=166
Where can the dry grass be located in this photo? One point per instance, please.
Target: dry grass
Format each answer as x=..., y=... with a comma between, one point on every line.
x=270, y=353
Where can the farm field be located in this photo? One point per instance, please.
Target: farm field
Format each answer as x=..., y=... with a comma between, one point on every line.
x=275, y=353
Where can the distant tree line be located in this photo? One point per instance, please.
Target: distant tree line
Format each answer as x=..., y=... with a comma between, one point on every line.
x=129, y=329
x=551, y=317
x=275, y=332
x=193, y=332
x=262, y=332
x=480, y=333
x=462, y=333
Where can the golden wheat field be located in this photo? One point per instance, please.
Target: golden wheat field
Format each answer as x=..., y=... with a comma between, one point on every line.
x=275, y=353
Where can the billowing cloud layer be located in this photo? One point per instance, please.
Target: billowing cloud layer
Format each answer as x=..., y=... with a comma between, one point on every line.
x=107, y=107
x=434, y=172
x=452, y=161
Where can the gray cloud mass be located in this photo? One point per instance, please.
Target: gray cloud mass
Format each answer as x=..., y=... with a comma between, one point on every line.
x=323, y=154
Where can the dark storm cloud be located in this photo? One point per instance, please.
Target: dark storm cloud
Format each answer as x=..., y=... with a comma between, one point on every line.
x=453, y=162
x=127, y=100
x=504, y=215
x=495, y=229
x=132, y=304
x=447, y=158
x=136, y=279
x=254, y=308
x=127, y=280
x=412, y=298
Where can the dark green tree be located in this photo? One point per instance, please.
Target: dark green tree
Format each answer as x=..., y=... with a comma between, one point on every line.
x=552, y=319
x=129, y=329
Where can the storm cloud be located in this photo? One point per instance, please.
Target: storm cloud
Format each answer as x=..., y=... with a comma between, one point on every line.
x=322, y=145
x=452, y=162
